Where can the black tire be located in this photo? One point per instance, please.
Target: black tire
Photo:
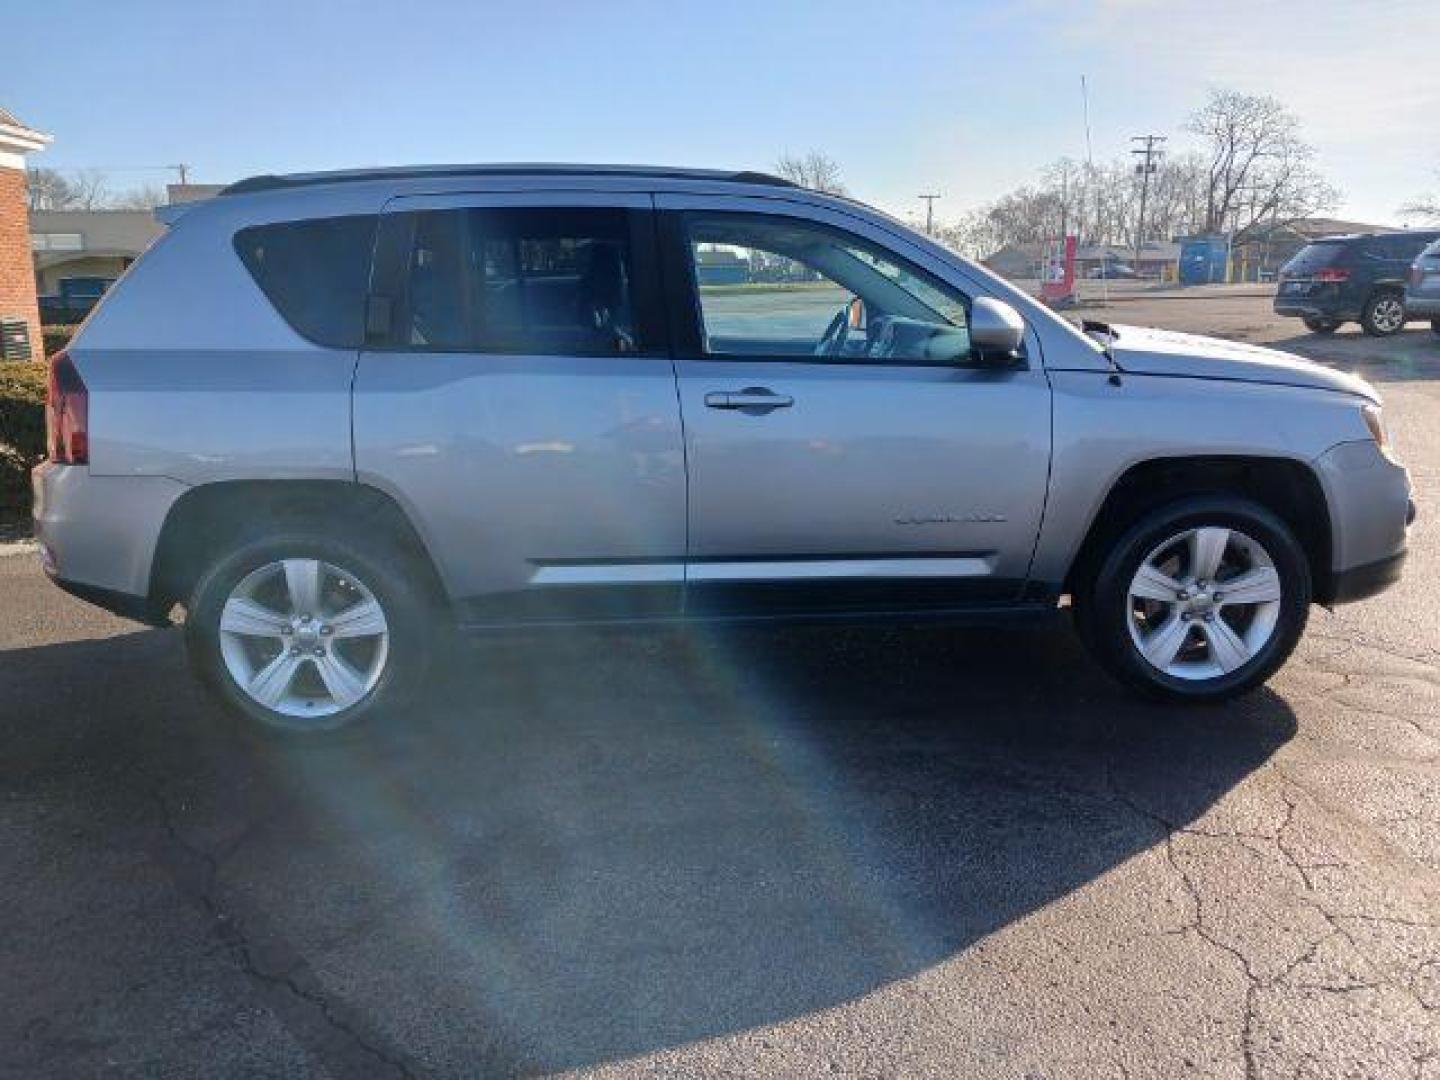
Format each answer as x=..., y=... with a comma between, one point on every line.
x=1103, y=612
x=1376, y=318
x=1435, y=326
x=1321, y=326
x=388, y=570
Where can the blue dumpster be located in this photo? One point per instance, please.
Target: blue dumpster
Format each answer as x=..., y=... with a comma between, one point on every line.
x=1202, y=259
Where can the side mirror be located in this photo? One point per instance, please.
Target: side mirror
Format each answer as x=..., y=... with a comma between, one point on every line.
x=996, y=330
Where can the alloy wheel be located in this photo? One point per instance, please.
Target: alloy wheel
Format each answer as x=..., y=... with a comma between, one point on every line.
x=1388, y=314
x=1203, y=603
x=304, y=638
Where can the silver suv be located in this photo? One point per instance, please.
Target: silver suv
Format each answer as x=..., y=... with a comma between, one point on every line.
x=334, y=416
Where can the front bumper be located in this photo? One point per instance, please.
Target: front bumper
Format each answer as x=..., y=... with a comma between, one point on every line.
x=98, y=534
x=1371, y=510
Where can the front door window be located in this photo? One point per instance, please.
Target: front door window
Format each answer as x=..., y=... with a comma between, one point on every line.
x=781, y=287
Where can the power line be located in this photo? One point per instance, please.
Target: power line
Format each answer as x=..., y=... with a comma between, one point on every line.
x=929, y=213
x=1149, y=152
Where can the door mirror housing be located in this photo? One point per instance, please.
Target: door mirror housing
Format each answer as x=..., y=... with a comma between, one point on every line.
x=997, y=331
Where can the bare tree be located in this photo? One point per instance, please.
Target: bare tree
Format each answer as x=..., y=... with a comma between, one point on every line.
x=1257, y=167
x=1425, y=208
x=91, y=187
x=49, y=190
x=143, y=197
x=815, y=170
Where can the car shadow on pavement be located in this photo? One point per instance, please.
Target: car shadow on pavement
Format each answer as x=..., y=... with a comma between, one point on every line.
x=1411, y=355
x=585, y=848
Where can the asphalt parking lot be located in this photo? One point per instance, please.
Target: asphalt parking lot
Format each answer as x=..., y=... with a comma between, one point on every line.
x=863, y=853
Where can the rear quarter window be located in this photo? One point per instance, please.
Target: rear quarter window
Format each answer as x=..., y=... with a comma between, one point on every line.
x=1313, y=257
x=316, y=273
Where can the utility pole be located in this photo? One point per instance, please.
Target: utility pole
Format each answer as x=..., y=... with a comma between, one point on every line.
x=1149, y=152
x=183, y=170
x=929, y=213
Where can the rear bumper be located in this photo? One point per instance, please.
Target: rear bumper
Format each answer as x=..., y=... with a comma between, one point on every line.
x=97, y=534
x=1309, y=309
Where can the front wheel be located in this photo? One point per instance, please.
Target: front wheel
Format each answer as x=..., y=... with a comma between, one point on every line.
x=305, y=632
x=1198, y=601
x=1384, y=315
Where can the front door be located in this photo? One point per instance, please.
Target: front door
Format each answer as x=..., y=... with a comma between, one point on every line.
x=845, y=451
x=518, y=399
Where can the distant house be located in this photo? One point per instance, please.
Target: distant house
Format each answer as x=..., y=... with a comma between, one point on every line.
x=87, y=243
x=1017, y=261
x=1258, y=251
x=97, y=243
x=721, y=266
x=1159, y=259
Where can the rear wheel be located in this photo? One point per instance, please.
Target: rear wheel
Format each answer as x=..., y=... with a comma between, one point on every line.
x=1321, y=326
x=1199, y=601
x=305, y=632
x=1384, y=314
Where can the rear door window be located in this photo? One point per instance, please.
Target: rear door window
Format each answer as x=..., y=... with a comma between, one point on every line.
x=315, y=272
x=545, y=281
x=1405, y=248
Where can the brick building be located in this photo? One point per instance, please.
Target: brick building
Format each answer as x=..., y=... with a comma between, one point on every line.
x=19, y=312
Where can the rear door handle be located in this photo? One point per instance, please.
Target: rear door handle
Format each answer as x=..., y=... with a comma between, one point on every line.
x=757, y=399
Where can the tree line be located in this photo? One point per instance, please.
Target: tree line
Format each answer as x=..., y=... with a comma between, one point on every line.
x=87, y=189
x=1243, y=162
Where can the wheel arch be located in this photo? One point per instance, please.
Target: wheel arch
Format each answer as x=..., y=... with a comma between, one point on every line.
x=207, y=517
x=1285, y=486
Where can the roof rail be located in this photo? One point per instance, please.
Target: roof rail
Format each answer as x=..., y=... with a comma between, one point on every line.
x=270, y=182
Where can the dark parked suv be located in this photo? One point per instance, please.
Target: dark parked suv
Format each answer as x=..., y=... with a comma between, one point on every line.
x=1422, y=294
x=1346, y=278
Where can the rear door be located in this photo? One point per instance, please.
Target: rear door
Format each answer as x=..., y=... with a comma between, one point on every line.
x=517, y=397
x=843, y=455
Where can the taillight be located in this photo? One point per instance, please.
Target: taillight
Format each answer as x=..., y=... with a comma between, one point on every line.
x=67, y=413
x=1332, y=274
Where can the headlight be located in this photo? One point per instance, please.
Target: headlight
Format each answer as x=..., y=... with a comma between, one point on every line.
x=1375, y=421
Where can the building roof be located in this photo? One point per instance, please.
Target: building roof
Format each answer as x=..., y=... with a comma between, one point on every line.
x=18, y=139
x=186, y=193
x=1304, y=229
x=102, y=232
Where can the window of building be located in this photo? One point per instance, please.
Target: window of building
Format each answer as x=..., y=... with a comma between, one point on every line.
x=57, y=241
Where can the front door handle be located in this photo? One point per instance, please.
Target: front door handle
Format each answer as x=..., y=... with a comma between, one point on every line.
x=753, y=399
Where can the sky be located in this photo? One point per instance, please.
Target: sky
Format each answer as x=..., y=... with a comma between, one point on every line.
x=965, y=98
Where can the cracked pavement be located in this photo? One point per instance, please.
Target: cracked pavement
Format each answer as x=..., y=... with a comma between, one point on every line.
x=904, y=852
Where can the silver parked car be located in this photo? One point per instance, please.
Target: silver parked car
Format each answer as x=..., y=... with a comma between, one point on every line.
x=1422, y=290
x=337, y=415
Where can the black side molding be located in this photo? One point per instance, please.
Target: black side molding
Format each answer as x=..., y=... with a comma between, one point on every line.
x=127, y=605
x=1360, y=582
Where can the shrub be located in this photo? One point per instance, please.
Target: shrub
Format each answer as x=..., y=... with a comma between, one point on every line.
x=22, y=424
x=58, y=336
